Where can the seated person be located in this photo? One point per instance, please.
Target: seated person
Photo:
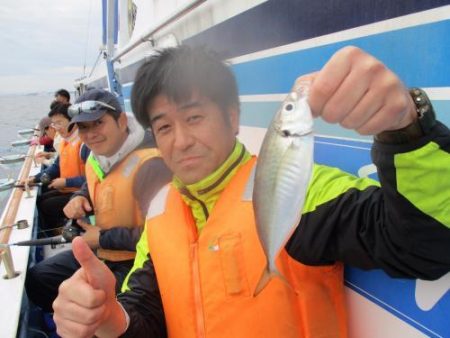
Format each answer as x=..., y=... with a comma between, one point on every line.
x=66, y=173
x=46, y=136
x=123, y=173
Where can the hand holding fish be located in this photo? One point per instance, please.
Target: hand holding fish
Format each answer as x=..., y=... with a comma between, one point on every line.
x=359, y=92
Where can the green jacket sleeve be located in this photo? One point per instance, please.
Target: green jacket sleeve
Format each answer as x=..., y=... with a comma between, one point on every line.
x=401, y=226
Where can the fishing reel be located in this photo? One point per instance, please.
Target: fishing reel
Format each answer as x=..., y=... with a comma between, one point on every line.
x=46, y=179
x=71, y=230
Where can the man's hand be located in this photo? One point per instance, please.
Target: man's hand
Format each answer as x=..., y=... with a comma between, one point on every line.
x=357, y=91
x=91, y=234
x=29, y=180
x=86, y=303
x=77, y=207
x=41, y=156
x=58, y=183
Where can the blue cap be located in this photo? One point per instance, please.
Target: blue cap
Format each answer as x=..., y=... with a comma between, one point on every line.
x=100, y=102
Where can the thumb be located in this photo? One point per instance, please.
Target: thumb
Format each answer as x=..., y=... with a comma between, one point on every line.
x=84, y=225
x=307, y=77
x=95, y=270
x=86, y=205
x=308, y=80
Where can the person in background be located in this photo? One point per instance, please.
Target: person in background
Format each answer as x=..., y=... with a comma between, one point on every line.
x=46, y=136
x=62, y=96
x=123, y=173
x=200, y=258
x=66, y=174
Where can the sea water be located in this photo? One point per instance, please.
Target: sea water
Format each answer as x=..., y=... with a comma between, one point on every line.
x=18, y=112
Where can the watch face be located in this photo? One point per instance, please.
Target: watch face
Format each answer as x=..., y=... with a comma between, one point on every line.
x=427, y=117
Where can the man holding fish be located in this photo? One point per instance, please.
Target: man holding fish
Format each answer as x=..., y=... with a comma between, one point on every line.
x=226, y=255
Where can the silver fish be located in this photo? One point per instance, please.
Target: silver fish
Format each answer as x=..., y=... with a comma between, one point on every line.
x=282, y=175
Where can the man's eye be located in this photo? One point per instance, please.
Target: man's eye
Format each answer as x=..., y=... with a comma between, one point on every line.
x=194, y=118
x=163, y=128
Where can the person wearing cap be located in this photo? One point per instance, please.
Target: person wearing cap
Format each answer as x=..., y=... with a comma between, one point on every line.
x=64, y=176
x=123, y=173
x=46, y=136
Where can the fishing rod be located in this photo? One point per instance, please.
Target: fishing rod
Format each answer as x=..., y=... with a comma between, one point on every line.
x=69, y=232
x=21, y=224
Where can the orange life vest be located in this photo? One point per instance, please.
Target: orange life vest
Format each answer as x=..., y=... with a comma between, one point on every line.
x=207, y=281
x=113, y=198
x=70, y=162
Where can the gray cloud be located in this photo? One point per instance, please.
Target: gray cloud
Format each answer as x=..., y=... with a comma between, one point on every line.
x=45, y=42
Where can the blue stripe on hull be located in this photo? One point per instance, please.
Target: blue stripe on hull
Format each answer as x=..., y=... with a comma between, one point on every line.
x=259, y=114
x=419, y=55
x=275, y=23
x=398, y=297
x=442, y=109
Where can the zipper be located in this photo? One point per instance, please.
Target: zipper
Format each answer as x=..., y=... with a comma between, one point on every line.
x=188, y=194
x=198, y=303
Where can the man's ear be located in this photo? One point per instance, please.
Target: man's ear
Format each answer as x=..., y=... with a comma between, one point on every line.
x=234, y=119
x=122, y=121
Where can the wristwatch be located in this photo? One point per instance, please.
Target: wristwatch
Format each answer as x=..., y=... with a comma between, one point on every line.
x=426, y=119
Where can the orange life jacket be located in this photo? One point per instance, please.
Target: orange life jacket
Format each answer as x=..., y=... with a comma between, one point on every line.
x=207, y=281
x=113, y=198
x=70, y=162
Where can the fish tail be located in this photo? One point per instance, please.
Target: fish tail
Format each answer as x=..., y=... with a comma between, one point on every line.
x=262, y=283
x=266, y=277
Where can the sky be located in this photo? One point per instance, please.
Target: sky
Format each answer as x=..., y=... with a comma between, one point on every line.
x=46, y=44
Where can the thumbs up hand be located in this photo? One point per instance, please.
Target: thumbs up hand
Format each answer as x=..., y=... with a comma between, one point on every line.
x=86, y=304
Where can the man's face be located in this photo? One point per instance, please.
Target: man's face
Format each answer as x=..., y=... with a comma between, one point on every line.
x=50, y=132
x=195, y=137
x=60, y=124
x=61, y=99
x=104, y=136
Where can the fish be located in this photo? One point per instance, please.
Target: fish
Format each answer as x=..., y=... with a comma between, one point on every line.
x=283, y=171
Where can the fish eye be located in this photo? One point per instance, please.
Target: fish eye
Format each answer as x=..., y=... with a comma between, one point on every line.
x=289, y=107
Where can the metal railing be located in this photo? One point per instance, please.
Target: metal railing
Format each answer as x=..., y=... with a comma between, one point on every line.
x=176, y=15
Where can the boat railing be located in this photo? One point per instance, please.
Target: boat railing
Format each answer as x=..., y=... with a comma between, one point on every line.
x=20, y=209
x=177, y=14
x=10, y=211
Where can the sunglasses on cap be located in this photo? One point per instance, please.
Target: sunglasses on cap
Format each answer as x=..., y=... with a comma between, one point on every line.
x=88, y=107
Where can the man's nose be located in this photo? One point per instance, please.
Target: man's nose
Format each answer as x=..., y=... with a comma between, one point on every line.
x=183, y=137
x=88, y=132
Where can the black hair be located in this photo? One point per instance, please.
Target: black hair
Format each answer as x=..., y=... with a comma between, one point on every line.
x=178, y=73
x=60, y=109
x=63, y=92
x=54, y=104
